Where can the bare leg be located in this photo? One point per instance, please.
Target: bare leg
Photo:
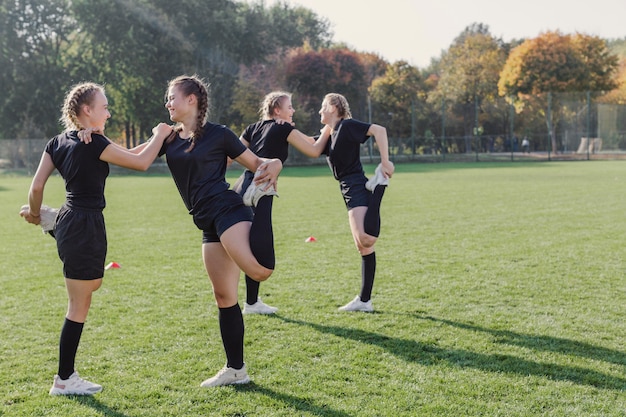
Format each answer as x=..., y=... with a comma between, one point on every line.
x=79, y=294
x=224, y=275
x=365, y=245
x=236, y=242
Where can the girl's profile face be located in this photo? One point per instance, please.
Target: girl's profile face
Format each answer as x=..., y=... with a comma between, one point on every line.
x=326, y=112
x=177, y=104
x=98, y=111
x=285, y=111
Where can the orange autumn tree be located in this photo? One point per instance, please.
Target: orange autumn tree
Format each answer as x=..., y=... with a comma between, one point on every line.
x=617, y=96
x=556, y=63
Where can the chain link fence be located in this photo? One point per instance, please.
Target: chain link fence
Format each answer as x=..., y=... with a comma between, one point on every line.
x=564, y=127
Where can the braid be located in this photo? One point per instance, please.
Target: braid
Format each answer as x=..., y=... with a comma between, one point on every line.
x=194, y=85
x=271, y=102
x=340, y=102
x=78, y=96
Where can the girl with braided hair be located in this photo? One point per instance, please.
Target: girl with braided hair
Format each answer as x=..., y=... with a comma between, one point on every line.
x=361, y=196
x=232, y=240
x=79, y=227
x=270, y=137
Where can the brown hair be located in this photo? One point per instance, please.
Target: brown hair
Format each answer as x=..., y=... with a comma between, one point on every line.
x=271, y=102
x=79, y=95
x=340, y=102
x=187, y=85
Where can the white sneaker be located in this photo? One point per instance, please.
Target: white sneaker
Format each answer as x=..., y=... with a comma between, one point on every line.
x=258, y=308
x=74, y=385
x=227, y=376
x=254, y=192
x=358, y=305
x=378, y=179
x=47, y=219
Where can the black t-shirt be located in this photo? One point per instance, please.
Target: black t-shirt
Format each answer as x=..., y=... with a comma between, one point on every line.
x=343, y=150
x=80, y=166
x=268, y=139
x=201, y=173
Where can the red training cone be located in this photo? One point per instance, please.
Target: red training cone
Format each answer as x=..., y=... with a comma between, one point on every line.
x=310, y=239
x=113, y=265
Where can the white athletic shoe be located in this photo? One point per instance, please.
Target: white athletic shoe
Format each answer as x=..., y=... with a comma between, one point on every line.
x=358, y=305
x=47, y=219
x=227, y=376
x=74, y=385
x=258, y=308
x=254, y=192
x=377, y=179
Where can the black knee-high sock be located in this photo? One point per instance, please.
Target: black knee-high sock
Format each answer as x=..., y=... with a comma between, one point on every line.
x=372, y=217
x=261, y=233
x=232, y=329
x=68, y=345
x=252, y=290
x=368, y=271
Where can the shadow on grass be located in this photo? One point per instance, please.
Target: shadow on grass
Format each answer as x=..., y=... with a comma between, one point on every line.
x=295, y=403
x=545, y=343
x=93, y=402
x=428, y=354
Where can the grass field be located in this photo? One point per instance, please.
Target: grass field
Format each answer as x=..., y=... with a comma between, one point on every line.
x=500, y=292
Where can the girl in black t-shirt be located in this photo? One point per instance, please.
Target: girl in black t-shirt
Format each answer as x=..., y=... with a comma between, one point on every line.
x=197, y=157
x=361, y=196
x=270, y=137
x=79, y=226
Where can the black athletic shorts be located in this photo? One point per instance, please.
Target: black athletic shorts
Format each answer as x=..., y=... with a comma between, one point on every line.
x=354, y=192
x=217, y=213
x=81, y=242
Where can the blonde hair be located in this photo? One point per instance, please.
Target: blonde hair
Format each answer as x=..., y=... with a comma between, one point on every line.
x=187, y=85
x=271, y=102
x=80, y=94
x=340, y=102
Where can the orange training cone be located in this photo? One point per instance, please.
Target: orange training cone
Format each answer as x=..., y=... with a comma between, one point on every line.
x=310, y=239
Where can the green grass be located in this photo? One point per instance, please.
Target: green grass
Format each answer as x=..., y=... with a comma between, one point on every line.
x=500, y=292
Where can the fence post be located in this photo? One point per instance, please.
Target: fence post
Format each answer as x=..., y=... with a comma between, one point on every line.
x=588, y=122
x=443, y=128
x=476, y=124
x=549, y=124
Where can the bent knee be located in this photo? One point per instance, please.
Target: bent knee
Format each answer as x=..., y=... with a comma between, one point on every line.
x=367, y=241
x=261, y=274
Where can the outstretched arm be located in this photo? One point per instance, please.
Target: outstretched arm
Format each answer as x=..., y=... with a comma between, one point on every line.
x=85, y=136
x=308, y=145
x=141, y=161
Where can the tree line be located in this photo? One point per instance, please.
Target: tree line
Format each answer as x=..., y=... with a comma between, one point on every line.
x=244, y=50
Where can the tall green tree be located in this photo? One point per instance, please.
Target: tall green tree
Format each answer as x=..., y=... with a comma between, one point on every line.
x=133, y=48
x=34, y=37
x=469, y=73
x=398, y=98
